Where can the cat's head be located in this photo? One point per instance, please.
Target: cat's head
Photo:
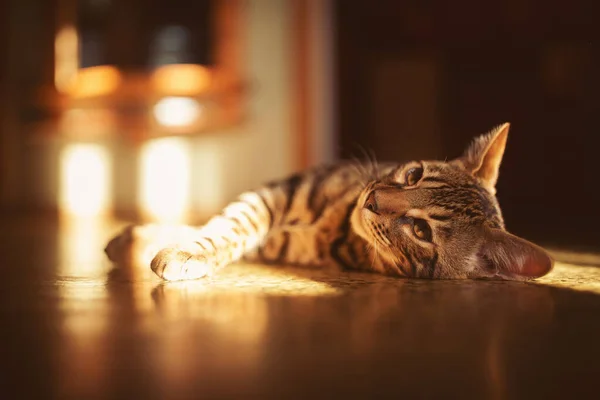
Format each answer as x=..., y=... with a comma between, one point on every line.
x=437, y=219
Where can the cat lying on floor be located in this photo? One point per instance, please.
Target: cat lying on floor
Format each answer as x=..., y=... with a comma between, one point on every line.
x=421, y=219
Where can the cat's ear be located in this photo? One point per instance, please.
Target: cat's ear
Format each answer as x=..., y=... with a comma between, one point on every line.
x=483, y=157
x=511, y=257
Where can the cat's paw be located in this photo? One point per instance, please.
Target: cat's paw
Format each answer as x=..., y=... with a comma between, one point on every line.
x=173, y=264
x=139, y=244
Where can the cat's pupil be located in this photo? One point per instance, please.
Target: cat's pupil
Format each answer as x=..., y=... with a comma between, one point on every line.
x=422, y=230
x=413, y=176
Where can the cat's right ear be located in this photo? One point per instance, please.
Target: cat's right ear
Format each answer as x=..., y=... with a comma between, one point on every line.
x=505, y=255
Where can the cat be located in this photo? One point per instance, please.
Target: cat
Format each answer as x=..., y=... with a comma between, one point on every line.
x=420, y=219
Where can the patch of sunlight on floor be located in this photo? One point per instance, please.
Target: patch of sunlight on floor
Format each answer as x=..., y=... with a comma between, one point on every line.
x=576, y=257
x=255, y=278
x=571, y=276
x=298, y=282
x=292, y=281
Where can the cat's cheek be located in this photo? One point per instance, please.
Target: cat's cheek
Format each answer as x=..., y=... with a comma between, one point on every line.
x=476, y=268
x=404, y=231
x=357, y=223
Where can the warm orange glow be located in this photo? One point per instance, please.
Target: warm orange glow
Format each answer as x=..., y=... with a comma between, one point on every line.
x=66, y=51
x=95, y=81
x=181, y=79
x=84, y=180
x=88, y=122
x=165, y=179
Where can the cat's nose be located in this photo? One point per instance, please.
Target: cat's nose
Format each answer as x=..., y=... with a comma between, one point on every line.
x=387, y=202
x=371, y=202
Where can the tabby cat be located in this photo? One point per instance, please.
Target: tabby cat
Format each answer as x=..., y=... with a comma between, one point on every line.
x=421, y=219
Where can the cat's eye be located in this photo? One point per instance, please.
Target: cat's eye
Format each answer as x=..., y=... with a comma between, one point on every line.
x=413, y=176
x=422, y=230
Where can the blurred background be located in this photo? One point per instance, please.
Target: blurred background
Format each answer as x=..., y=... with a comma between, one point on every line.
x=148, y=110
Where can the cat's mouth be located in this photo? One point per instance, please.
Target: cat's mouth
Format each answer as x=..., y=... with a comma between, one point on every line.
x=377, y=231
x=365, y=219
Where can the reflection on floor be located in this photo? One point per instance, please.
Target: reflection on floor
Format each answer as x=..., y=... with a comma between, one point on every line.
x=75, y=327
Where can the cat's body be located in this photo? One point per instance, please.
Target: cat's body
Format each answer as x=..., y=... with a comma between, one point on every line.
x=422, y=219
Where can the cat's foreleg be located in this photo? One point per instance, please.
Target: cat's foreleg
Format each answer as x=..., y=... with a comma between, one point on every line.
x=179, y=253
x=239, y=229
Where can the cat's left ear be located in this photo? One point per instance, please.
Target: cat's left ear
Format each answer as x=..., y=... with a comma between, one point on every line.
x=505, y=255
x=483, y=157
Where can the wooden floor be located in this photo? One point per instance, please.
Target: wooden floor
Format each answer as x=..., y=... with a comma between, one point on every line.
x=72, y=327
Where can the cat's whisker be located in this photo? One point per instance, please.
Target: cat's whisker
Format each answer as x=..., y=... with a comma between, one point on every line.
x=363, y=174
x=371, y=250
x=374, y=164
x=375, y=254
x=369, y=166
x=360, y=166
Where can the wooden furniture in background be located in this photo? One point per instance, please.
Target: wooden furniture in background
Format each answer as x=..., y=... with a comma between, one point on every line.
x=122, y=93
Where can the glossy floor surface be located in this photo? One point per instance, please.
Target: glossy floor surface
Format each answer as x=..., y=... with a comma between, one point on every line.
x=72, y=327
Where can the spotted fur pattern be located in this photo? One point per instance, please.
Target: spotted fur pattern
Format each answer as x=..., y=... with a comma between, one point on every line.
x=421, y=219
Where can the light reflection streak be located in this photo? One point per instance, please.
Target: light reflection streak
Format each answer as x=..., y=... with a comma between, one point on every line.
x=80, y=244
x=165, y=179
x=239, y=320
x=85, y=323
x=84, y=304
x=85, y=184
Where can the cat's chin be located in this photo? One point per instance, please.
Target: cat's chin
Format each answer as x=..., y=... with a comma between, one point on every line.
x=358, y=222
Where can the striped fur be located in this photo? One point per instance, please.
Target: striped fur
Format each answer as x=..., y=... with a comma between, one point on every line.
x=422, y=219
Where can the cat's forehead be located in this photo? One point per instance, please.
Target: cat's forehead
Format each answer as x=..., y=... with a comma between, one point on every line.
x=447, y=169
x=448, y=187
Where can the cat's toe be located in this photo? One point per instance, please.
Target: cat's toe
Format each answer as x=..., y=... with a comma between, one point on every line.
x=172, y=264
x=118, y=245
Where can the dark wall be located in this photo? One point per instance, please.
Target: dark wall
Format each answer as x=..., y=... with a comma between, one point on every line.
x=421, y=78
x=3, y=62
